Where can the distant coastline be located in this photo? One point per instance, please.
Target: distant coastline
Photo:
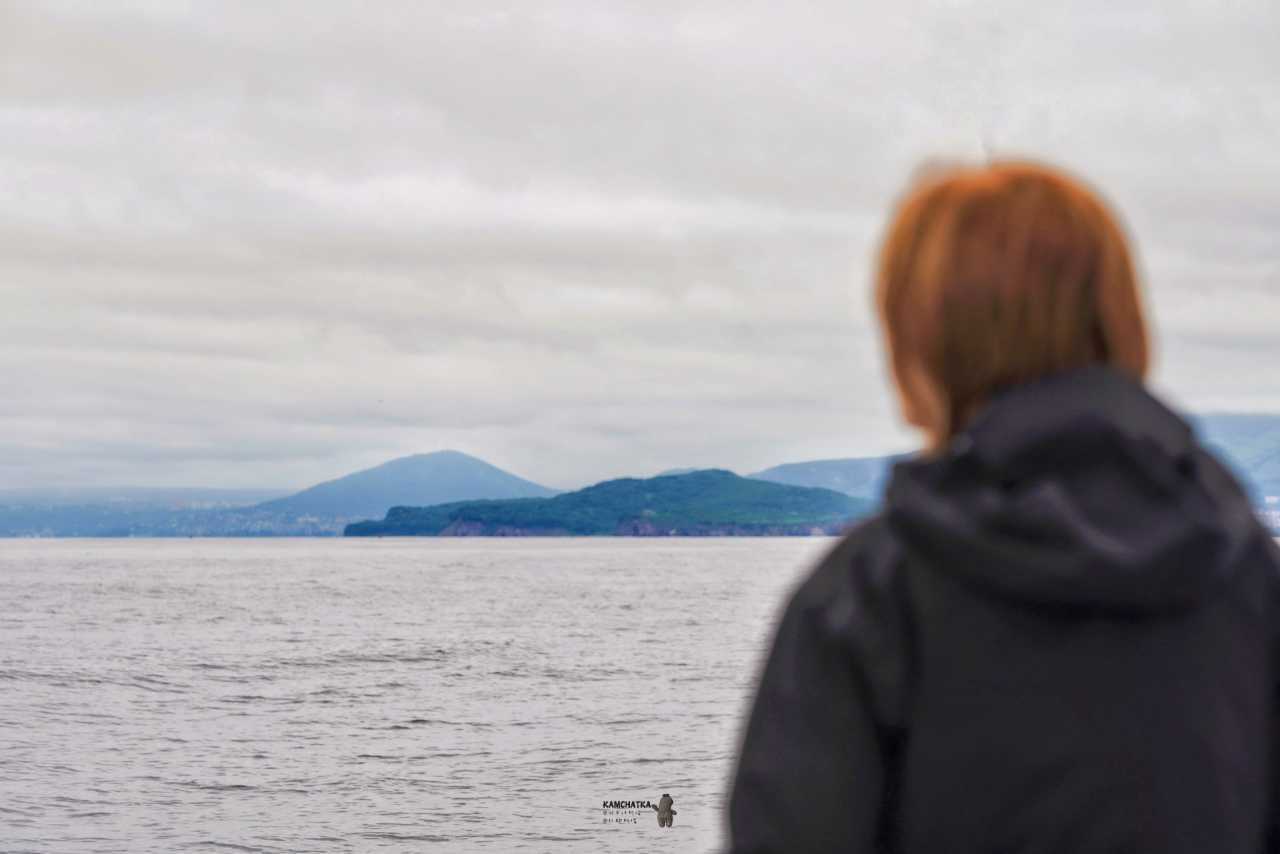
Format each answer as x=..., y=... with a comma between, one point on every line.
x=444, y=493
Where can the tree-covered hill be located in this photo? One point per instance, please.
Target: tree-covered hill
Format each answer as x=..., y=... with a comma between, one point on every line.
x=701, y=503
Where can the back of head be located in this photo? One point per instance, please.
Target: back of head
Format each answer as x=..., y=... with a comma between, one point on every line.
x=996, y=275
x=1016, y=334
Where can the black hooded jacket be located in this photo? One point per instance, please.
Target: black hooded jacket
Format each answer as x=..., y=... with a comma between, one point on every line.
x=1057, y=636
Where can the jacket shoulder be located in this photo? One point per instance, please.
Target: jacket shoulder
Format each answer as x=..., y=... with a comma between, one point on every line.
x=857, y=598
x=866, y=559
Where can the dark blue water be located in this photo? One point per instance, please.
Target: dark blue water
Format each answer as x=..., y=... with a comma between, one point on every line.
x=376, y=695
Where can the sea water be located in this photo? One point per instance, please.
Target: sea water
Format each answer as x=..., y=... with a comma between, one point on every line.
x=378, y=695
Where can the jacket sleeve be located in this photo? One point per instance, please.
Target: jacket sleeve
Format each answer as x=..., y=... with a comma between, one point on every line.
x=811, y=772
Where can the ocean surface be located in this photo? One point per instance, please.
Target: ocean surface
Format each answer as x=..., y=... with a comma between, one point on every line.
x=378, y=695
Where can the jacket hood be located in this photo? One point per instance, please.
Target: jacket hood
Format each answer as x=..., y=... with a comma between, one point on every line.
x=1077, y=491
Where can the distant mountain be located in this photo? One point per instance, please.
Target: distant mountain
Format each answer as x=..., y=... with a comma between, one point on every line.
x=709, y=502
x=1248, y=444
x=861, y=477
x=421, y=479
x=322, y=510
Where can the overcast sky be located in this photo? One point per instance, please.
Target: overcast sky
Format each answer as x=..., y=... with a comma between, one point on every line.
x=264, y=244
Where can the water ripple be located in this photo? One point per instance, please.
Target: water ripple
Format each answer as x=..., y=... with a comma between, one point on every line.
x=380, y=695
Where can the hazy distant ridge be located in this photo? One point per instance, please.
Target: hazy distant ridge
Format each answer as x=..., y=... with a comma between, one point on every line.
x=321, y=510
x=862, y=477
x=1248, y=444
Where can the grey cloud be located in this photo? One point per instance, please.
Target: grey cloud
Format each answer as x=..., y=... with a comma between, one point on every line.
x=247, y=244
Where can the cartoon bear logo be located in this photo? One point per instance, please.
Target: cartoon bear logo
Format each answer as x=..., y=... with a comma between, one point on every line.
x=665, y=812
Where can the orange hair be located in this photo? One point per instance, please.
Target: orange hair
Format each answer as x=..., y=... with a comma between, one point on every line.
x=996, y=275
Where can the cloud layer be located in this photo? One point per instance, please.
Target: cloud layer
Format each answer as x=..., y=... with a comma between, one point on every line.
x=253, y=244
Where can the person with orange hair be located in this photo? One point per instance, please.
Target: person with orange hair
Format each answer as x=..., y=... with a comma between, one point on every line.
x=1059, y=634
